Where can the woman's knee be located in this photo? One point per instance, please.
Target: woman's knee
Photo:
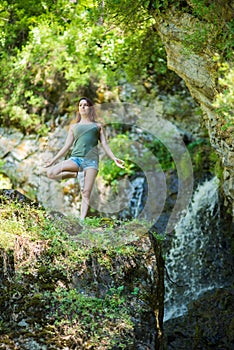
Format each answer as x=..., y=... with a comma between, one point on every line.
x=50, y=173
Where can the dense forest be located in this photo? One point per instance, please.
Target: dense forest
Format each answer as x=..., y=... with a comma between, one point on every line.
x=52, y=52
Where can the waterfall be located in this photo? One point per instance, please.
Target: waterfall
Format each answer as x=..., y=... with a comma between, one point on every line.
x=137, y=196
x=135, y=204
x=194, y=260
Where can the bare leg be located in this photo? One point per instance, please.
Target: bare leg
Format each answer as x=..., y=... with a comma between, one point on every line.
x=63, y=170
x=90, y=175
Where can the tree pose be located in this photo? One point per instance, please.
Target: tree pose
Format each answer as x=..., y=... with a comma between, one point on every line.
x=84, y=136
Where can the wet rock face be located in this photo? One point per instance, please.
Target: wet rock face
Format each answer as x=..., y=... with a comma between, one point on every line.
x=208, y=324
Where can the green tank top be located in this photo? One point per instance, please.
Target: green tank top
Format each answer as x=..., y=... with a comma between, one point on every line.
x=86, y=141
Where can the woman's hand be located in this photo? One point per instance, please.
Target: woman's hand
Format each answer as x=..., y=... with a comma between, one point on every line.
x=48, y=164
x=119, y=162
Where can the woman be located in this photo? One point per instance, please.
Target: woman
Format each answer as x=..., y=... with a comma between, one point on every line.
x=84, y=137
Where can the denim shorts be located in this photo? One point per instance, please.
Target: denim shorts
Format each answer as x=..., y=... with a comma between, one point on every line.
x=85, y=163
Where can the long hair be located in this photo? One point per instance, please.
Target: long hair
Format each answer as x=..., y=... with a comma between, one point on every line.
x=92, y=114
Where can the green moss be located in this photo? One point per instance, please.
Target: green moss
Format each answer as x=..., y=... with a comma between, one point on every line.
x=7, y=240
x=4, y=180
x=42, y=292
x=90, y=314
x=204, y=159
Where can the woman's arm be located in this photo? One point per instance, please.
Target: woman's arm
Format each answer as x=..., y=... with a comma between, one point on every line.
x=118, y=162
x=68, y=143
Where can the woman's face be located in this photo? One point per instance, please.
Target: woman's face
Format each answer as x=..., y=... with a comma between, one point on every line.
x=84, y=108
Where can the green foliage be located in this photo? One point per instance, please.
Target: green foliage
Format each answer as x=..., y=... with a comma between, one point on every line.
x=224, y=41
x=52, y=52
x=149, y=155
x=56, y=58
x=224, y=101
x=66, y=49
x=90, y=315
x=140, y=54
x=70, y=304
x=5, y=182
x=204, y=159
x=50, y=66
x=198, y=37
x=109, y=171
x=158, y=236
x=212, y=27
x=17, y=221
x=161, y=153
x=18, y=17
x=94, y=221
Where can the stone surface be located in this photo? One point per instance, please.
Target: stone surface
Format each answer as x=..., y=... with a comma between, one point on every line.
x=199, y=72
x=207, y=325
x=129, y=269
x=9, y=140
x=24, y=159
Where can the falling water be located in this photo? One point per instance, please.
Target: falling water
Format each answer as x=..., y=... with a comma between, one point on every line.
x=137, y=194
x=194, y=262
x=135, y=204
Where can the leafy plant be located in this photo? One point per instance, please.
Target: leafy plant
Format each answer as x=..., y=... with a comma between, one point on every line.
x=204, y=159
x=89, y=314
x=224, y=100
x=109, y=171
x=161, y=153
x=57, y=58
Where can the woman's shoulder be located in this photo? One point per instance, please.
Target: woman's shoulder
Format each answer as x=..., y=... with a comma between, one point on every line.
x=99, y=125
x=72, y=126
